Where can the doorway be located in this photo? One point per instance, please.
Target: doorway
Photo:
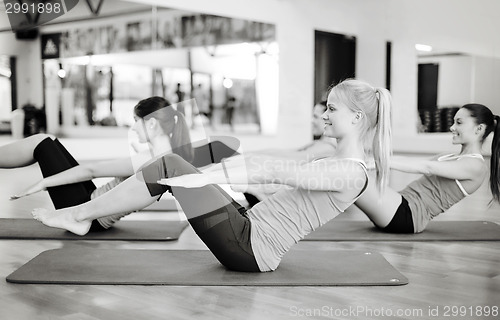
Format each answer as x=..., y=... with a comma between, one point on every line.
x=334, y=61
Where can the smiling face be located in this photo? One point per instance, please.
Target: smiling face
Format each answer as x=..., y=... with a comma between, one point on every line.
x=464, y=128
x=338, y=118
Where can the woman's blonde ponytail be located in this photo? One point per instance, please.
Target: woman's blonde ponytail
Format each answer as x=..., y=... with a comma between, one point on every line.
x=382, y=141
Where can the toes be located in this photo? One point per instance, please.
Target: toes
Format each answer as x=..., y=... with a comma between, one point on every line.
x=36, y=213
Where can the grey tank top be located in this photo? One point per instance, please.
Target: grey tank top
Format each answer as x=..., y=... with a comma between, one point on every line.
x=431, y=195
x=283, y=219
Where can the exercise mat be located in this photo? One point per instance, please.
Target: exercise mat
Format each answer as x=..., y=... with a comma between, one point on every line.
x=82, y=265
x=435, y=231
x=29, y=229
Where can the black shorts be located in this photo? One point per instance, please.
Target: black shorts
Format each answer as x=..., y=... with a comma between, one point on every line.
x=53, y=158
x=402, y=222
x=226, y=232
x=224, y=228
x=96, y=226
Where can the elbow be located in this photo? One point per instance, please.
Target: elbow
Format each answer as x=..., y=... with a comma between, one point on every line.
x=426, y=168
x=88, y=172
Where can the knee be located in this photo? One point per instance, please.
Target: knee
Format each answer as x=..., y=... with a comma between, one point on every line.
x=176, y=160
x=173, y=158
x=40, y=142
x=176, y=165
x=37, y=138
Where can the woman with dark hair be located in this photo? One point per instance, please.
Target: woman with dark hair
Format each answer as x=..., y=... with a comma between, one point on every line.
x=446, y=179
x=157, y=124
x=171, y=122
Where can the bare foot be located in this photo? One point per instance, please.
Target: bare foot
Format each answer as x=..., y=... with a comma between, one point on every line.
x=61, y=220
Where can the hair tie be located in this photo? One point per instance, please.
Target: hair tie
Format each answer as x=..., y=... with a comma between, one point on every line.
x=377, y=93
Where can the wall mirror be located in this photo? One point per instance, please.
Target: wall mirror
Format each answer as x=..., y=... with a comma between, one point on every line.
x=7, y=91
x=227, y=67
x=448, y=79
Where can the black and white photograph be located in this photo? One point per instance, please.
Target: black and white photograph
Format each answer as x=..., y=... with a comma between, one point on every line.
x=250, y=159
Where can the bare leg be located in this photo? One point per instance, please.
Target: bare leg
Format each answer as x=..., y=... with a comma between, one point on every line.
x=380, y=208
x=20, y=153
x=130, y=195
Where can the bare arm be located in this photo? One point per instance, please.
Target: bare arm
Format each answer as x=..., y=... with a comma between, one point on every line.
x=316, y=149
x=112, y=168
x=262, y=190
x=327, y=175
x=463, y=169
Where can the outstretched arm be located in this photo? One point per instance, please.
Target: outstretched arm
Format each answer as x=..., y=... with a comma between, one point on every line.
x=313, y=150
x=463, y=169
x=112, y=168
x=327, y=175
x=238, y=170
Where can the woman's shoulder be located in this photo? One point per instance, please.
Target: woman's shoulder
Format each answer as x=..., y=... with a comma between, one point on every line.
x=453, y=156
x=345, y=164
x=474, y=164
x=347, y=160
x=442, y=156
x=353, y=176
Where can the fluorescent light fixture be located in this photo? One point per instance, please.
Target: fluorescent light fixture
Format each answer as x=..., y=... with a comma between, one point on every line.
x=423, y=47
x=227, y=83
x=61, y=73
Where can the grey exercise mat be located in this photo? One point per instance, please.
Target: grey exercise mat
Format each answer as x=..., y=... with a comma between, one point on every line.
x=30, y=229
x=82, y=265
x=435, y=231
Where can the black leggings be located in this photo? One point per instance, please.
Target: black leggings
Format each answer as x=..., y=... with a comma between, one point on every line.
x=226, y=232
x=220, y=222
x=53, y=158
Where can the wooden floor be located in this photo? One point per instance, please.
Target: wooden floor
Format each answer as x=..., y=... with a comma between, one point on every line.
x=442, y=275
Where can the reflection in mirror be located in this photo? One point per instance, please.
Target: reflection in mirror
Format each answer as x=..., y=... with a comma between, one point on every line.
x=229, y=66
x=447, y=80
x=6, y=105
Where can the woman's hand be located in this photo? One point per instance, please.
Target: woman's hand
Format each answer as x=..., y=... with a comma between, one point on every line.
x=37, y=187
